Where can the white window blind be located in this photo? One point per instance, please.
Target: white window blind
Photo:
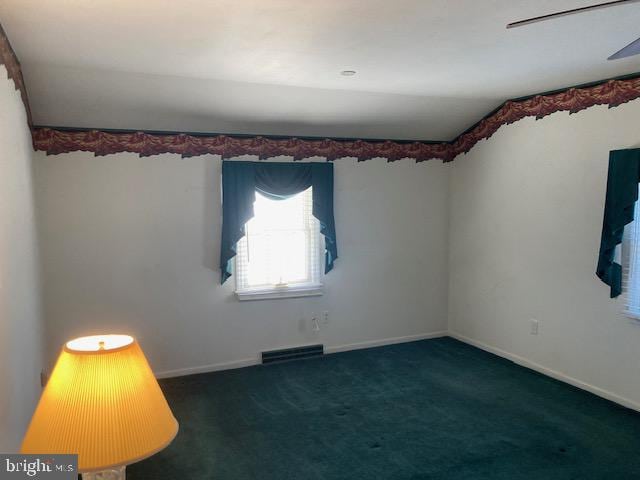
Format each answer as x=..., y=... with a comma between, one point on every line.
x=281, y=251
x=631, y=266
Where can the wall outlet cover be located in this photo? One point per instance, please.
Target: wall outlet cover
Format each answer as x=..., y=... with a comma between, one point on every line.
x=535, y=326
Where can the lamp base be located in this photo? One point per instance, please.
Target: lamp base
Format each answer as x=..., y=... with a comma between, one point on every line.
x=113, y=474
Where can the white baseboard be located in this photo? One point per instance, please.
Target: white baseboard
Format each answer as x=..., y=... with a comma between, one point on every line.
x=181, y=372
x=625, y=402
x=247, y=362
x=383, y=342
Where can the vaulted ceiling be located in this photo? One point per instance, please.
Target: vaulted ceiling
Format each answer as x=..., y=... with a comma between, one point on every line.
x=425, y=69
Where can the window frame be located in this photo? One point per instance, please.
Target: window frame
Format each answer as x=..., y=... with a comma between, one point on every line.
x=296, y=290
x=630, y=250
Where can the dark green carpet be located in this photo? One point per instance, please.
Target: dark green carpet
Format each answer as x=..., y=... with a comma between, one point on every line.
x=435, y=409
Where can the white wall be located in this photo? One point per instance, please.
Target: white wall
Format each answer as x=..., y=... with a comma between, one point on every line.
x=131, y=244
x=20, y=321
x=526, y=216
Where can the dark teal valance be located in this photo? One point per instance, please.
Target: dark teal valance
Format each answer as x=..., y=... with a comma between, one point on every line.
x=620, y=201
x=277, y=180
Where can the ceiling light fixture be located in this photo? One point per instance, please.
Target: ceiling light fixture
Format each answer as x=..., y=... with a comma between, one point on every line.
x=348, y=73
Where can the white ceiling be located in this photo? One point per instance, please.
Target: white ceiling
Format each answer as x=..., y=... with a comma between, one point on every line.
x=426, y=69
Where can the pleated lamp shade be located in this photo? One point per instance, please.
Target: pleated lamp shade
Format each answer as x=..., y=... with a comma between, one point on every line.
x=103, y=403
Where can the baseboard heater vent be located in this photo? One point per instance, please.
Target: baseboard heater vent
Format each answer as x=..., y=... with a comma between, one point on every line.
x=295, y=353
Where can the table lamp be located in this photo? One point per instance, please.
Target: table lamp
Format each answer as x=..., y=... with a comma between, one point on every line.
x=103, y=403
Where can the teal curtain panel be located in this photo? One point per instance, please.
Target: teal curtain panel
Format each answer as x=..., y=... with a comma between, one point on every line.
x=620, y=201
x=276, y=180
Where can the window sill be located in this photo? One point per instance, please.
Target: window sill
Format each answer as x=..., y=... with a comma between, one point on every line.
x=635, y=318
x=283, y=292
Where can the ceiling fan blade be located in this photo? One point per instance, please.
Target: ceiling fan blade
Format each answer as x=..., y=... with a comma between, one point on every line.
x=564, y=13
x=632, y=49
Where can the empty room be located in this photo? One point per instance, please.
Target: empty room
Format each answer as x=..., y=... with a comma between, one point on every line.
x=322, y=240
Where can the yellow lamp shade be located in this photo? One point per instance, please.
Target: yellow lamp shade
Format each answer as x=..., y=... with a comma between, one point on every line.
x=103, y=403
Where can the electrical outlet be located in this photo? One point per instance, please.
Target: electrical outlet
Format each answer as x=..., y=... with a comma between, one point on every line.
x=325, y=317
x=535, y=326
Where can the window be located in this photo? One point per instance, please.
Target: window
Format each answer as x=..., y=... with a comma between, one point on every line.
x=631, y=266
x=276, y=180
x=280, y=254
